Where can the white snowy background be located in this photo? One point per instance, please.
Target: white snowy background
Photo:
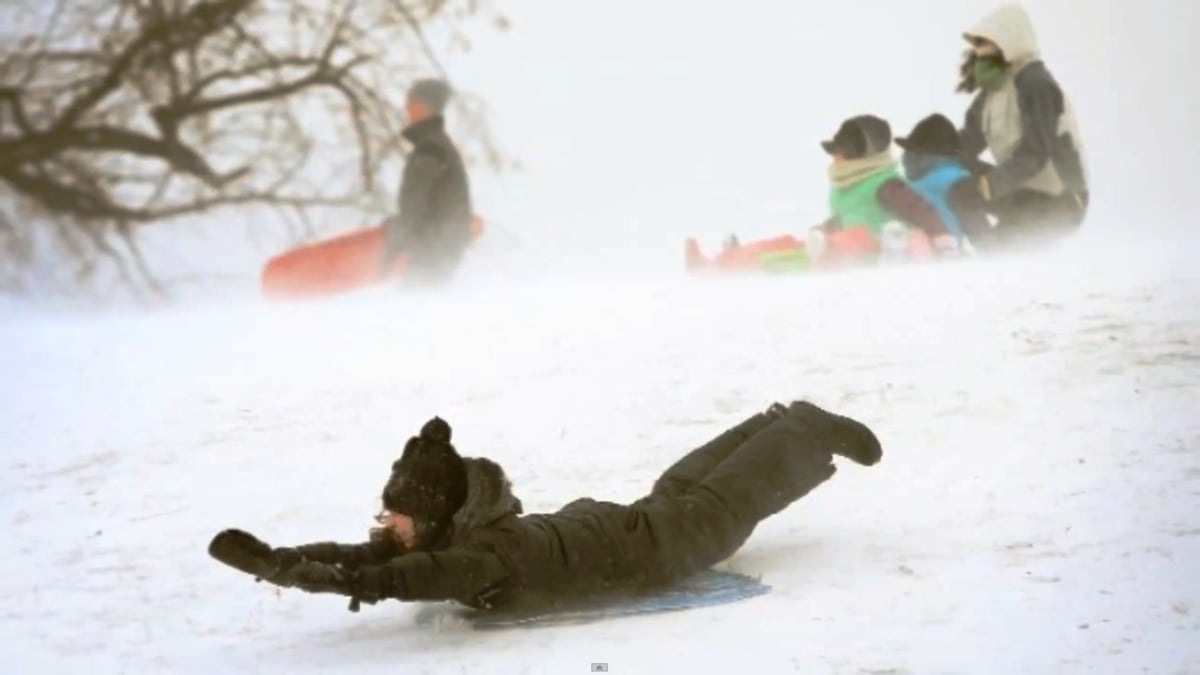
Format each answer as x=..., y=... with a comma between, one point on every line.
x=1038, y=505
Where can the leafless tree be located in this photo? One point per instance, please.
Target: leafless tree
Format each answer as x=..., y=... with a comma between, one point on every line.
x=116, y=114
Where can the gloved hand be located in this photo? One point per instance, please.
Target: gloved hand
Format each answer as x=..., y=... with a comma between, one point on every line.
x=243, y=551
x=290, y=568
x=315, y=577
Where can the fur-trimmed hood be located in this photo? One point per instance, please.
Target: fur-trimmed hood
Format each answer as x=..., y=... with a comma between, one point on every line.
x=489, y=497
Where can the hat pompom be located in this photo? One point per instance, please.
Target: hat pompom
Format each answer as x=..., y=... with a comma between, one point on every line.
x=436, y=429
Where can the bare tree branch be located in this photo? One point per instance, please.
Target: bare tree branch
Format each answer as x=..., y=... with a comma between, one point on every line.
x=321, y=75
x=47, y=35
x=10, y=99
x=169, y=34
x=415, y=24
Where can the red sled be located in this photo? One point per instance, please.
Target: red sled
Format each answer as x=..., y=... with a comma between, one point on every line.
x=344, y=263
x=846, y=248
x=777, y=254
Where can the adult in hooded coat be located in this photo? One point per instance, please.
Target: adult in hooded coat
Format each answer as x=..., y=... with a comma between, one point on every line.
x=1037, y=190
x=454, y=531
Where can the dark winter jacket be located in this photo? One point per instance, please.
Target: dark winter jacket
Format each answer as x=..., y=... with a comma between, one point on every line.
x=495, y=557
x=434, y=224
x=1026, y=122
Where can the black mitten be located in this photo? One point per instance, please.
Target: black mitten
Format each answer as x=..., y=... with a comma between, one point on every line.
x=243, y=551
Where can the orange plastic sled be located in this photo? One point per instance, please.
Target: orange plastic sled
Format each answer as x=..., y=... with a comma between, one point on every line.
x=343, y=263
x=847, y=247
x=855, y=246
x=844, y=249
x=776, y=253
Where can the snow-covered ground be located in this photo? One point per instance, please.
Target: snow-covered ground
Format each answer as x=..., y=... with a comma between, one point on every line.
x=1036, y=509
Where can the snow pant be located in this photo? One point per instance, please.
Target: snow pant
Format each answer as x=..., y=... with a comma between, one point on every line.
x=431, y=258
x=1027, y=219
x=705, y=506
x=432, y=269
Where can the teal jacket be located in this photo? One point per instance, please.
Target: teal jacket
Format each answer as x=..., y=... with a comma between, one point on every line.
x=932, y=178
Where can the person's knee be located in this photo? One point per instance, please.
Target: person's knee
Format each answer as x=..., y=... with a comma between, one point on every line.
x=700, y=525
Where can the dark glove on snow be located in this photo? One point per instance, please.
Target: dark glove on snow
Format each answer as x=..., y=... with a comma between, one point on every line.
x=286, y=567
x=290, y=568
x=243, y=551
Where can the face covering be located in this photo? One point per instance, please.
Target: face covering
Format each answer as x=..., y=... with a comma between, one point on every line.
x=989, y=72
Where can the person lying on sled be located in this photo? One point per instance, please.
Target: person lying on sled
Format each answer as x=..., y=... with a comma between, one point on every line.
x=872, y=209
x=934, y=169
x=452, y=529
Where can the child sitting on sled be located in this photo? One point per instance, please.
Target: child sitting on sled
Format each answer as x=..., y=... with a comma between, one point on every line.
x=875, y=215
x=933, y=168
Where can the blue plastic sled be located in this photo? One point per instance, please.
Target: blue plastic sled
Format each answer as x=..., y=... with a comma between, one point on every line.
x=706, y=589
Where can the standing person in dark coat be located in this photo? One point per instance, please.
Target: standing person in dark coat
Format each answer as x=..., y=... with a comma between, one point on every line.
x=1038, y=188
x=452, y=529
x=433, y=226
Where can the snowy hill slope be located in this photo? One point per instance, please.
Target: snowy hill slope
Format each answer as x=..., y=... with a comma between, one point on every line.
x=1035, y=510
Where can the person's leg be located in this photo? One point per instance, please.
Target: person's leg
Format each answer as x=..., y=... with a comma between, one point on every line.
x=787, y=460
x=778, y=465
x=1028, y=219
x=429, y=274
x=1062, y=217
x=972, y=216
x=694, y=466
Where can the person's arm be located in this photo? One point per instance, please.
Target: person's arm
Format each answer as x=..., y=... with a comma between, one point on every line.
x=910, y=208
x=1041, y=104
x=463, y=574
x=467, y=575
x=972, y=142
x=378, y=550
